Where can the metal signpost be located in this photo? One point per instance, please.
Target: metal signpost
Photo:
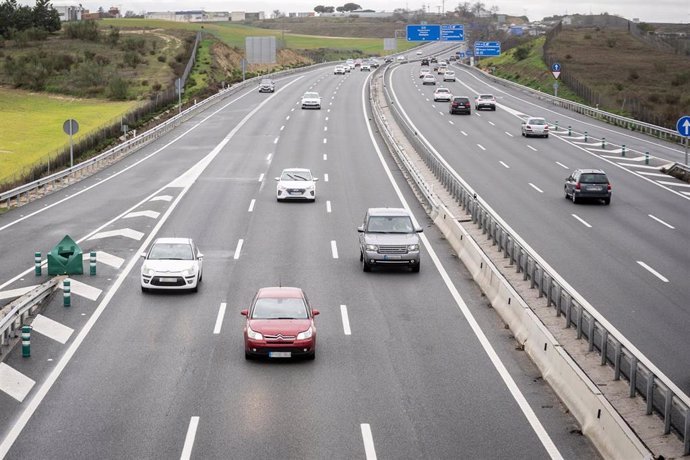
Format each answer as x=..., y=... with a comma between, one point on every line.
x=71, y=127
x=435, y=32
x=683, y=127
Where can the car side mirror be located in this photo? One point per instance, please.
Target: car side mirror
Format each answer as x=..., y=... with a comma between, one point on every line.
x=418, y=229
x=315, y=179
x=244, y=312
x=360, y=229
x=277, y=178
x=315, y=312
x=142, y=254
x=199, y=256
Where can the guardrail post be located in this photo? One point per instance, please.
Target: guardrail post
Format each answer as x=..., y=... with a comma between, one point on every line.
x=37, y=263
x=650, y=394
x=604, y=345
x=603, y=142
x=67, y=293
x=556, y=123
x=549, y=286
x=26, y=341
x=623, y=150
x=586, y=136
x=668, y=404
x=590, y=333
x=686, y=433
x=646, y=158
x=559, y=302
x=578, y=322
x=92, y=263
x=617, y=361
x=633, y=377
x=568, y=311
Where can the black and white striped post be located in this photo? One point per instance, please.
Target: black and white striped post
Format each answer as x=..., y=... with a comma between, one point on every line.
x=26, y=341
x=92, y=263
x=37, y=263
x=67, y=293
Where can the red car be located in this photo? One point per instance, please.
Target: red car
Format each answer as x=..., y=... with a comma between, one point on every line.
x=280, y=324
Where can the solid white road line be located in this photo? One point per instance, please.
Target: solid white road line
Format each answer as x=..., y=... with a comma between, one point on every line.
x=530, y=147
x=536, y=188
x=261, y=177
x=189, y=439
x=52, y=329
x=369, y=451
x=251, y=205
x=334, y=249
x=346, y=320
x=219, y=319
x=328, y=206
x=505, y=165
x=14, y=383
x=662, y=222
x=325, y=177
x=238, y=249
x=151, y=214
x=508, y=133
x=562, y=165
x=581, y=220
x=652, y=271
x=481, y=146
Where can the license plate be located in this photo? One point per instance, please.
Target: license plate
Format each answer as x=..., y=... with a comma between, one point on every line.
x=168, y=280
x=596, y=188
x=279, y=354
x=295, y=192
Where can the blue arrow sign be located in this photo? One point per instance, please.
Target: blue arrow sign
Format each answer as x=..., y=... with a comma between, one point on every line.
x=452, y=32
x=556, y=67
x=683, y=126
x=423, y=32
x=487, y=48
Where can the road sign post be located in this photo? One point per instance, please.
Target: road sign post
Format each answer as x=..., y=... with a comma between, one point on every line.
x=683, y=127
x=71, y=127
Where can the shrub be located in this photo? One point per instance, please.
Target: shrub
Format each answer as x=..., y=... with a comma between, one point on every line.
x=131, y=59
x=82, y=30
x=611, y=42
x=161, y=58
x=89, y=55
x=117, y=89
x=660, y=67
x=27, y=72
x=671, y=99
x=568, y=56
x=521, y=53
x=134, y=44
x=101, y=60
x=87, y=75
x=113, y=36
x=588, y=36
x=680, y=79
x=156, y=86
x=619, y=86
x=633, y=75
x=654, y=98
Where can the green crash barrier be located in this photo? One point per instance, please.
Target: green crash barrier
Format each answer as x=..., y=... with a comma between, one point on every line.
x=66, y=258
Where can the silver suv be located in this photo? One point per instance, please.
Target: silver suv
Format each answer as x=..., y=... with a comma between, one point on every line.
x=388, y=237
x=267, y=86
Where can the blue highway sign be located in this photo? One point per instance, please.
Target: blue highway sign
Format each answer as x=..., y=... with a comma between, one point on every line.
x=487, y=48
x=452, y=32
x=423, y=32
x=556, y=67
x=683, y=126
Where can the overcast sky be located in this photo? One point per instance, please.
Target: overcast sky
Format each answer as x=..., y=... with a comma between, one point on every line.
x=649, y=11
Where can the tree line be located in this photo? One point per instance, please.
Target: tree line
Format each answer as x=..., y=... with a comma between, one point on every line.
x=346, y=8
x=15, y=18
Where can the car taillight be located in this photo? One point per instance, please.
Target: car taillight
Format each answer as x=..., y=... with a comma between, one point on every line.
x=577, y=186
x=546, y=127
x=608, y=187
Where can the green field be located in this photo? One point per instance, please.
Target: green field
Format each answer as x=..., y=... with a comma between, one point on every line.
x=24, y=143
x=235, y=34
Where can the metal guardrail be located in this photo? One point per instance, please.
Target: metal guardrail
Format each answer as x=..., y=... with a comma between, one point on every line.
x=85, y=168
x=24, y=306
x=645, y=379
x=611, y=118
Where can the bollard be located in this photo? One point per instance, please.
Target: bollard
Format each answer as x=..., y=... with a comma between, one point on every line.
x=556, y=125
x=37, y=263
x=623, y=150
x=26, y=341
x=585, y=136
x=603, y=142
x=92, y=263
x=67, y=293
x=570, y=130
x=646, y=158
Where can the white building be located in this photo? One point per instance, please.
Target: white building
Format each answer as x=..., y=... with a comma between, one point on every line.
x=69, y=13
x=189, y=16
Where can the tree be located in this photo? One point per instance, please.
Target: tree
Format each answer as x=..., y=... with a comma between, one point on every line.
x=351, y=7
x=478, y=8
x=319, y=9
x=329, y=9
x=45, y=16
x=277, y=14
x=340, y=9
x=464, y=10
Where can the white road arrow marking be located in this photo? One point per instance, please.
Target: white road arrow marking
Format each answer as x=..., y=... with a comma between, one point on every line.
x=151, y=214
x=126, y=232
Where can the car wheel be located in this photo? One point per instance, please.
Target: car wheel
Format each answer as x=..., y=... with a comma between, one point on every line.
x=565, y=189
x=311, y=356
x=248, y=357
x=546, y=136
x=143, y=289
x=415, y=269
x=365, y=266
x=196, y=288
x=361, y=256
x=607, y=201
x=493, y=108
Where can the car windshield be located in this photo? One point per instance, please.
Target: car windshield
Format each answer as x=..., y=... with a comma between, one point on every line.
x=486, y=96
x=389, y=224
x=443, y=90
x=266, y=82
x=311, y=95
x=171, y=251
x=295, y=175
x=593, y=179
x=537, y=121
x=280, y=308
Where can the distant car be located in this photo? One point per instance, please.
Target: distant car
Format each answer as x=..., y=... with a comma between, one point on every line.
x=535, y=126
x=365, y=67
x=296, y=184
x=311, y=100
x=388, y=236
x=425, y=61
x=267, y=86
x=339, y=70
x=452, y=57
x=442, y=94
x=460, y=104
x=449, y=75
x=588, y=183
x=419, y=53
x=374, y=63
x=402, y=58
x=485, y=101
x=388, y=60
x=434, y=66
x=434, y=60
x=428, y=79
x=348, y=67
x=280, y=324
x=423, y=72
x=172, y=263
x=358, y=62
x=442, y=68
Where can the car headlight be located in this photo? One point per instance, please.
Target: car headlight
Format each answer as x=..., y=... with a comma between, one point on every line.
x=413, y=247
x=148, y=271
x=372, y=247
x=188, y=272
x=253, y=334
x=306, y=334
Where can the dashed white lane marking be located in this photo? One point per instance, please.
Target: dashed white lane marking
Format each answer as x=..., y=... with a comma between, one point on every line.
x=189, y=439
x=269, y=156
x=103, y=257
x=328, y=206
x=288, y=117
x=126, y=232
x=325, y=157
x=463, y=133
x=326, y=118
x=662, y=222
x=433, y=106
x=325, y=140
x=677, y=184
x=251, y=205
x=151, y=214
x=492, y=123
x=505, y=165
x=536, y=188
x=261, y=177
x=14, y=383
x=442, y=114
x=530, y=147
x=161, y=198
x=652, y=271
x=238, y=249
x=293, y=109
x=12, y=293
x=481, y=146
x=508, y=133
x=325, y=177
x=219, y=318
x=52, y=329
x=282, y=127
x=334, y=249
x=369, y=450
x=562, y=165
x=275, y=141
x=82, y=290
x=325, y=128
x=451, y=122
x=581, y=220
x=346, y=320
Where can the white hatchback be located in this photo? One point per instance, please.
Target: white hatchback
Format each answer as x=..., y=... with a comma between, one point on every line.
x=428, y=79
x=296, y=184
x=172, y=263
x=311, y=100
x=442, y=94
x=449, y=75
